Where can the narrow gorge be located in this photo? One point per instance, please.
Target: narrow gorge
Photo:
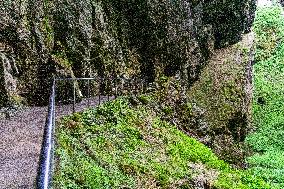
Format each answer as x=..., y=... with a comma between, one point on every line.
x=196, y=55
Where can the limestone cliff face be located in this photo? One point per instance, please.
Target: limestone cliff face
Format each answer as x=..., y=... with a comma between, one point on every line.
x=40, y=39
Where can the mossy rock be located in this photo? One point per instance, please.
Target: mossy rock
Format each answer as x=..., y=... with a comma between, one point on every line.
x=224, y=93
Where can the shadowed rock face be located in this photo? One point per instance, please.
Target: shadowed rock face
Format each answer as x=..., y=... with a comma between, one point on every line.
x=110, y=37
x=8, y=72
x=229, y=19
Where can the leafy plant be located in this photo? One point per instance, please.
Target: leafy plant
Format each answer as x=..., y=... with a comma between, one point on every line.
x=268, y=114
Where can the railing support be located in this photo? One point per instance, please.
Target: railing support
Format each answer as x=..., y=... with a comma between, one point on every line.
x=88, y=94
x=74, y=96
x=100, y=82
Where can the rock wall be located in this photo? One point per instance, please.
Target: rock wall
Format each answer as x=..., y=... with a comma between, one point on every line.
x=220, y=102
x=108, y=37
x=8, y=72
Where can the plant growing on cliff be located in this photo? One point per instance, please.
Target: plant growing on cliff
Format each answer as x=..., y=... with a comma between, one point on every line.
x=267, y=140
x=268, y=28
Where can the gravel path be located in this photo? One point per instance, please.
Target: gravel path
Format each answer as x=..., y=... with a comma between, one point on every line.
x=20, y=143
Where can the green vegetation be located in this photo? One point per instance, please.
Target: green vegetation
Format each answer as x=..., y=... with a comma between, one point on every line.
x=119, y=145
x=122, y=145
x=268, y=106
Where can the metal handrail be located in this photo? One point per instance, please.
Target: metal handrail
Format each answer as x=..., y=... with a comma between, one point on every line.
x=83, y=78
x=44, y=177
x=45, y=174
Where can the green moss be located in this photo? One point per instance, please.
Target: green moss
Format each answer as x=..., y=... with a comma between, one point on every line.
x=145, y=99
x=61, y=59
x=47, y=26
x=49, y=32
x=118, y=145
x=17, y=100
x=268, y=28
x=241, y=180
x=268, y=117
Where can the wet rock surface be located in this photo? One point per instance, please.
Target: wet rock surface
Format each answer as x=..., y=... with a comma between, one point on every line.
x=8, y=73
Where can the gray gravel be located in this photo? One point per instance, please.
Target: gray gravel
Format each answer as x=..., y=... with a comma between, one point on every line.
x=20, y=144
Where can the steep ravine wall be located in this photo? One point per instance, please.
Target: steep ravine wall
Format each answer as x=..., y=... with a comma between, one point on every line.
x=41, y=39
x=221, y=100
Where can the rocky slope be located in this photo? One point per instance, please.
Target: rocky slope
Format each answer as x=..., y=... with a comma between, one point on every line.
x=41, y=39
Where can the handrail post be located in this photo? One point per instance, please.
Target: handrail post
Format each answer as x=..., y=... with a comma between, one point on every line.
x=88, y=93
x=54, y=104
x=100, y=82
x=108, y=87
x=115, y=87
x=74, y=96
